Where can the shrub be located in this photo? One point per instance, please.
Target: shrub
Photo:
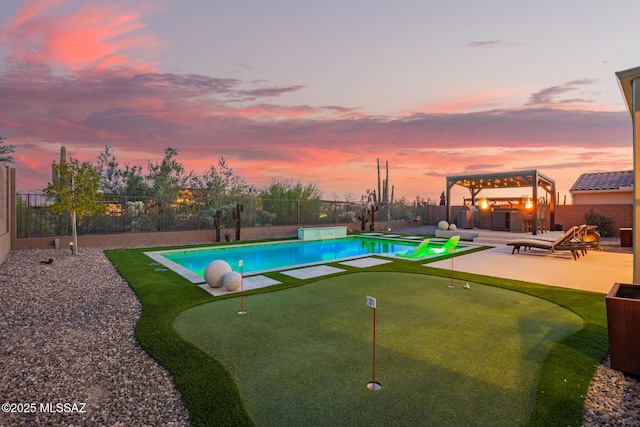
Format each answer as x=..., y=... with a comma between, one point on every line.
x=605, y=224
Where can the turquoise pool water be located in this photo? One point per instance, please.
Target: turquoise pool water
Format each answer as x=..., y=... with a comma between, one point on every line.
x=279, y=255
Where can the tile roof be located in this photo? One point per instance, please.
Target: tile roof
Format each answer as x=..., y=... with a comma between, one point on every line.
x=603, y=181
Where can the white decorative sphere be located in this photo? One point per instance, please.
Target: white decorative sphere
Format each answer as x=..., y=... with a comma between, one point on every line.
x=214, y=271
x=443, y=225
x=232, y=281
x=453, y=227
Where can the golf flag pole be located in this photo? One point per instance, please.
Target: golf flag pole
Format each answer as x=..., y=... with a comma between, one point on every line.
x=373, y=385
x=241, y=289
x=451, y=284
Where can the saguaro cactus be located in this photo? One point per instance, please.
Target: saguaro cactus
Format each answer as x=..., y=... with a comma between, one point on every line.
x=371, y=212
x=379, y=189
x=55, y=175
x=236, y=218
x=383, y=188
x=217, y=221
x=363, y=219
x=383, y=197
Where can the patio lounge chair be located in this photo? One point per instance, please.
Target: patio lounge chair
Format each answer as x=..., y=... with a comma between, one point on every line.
x=542, y=227
x=585, y=234
x=588, y=236
x=567, y=242
x=591, y=236
x=573, y=231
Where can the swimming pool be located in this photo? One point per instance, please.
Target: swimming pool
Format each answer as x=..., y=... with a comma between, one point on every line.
x=263, y=257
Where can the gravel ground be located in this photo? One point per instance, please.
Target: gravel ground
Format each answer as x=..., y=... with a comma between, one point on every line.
x=67, y=338
x=613, y=399
x=612, y=244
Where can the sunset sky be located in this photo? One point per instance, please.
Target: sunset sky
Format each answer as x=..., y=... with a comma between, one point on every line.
x=315, y=91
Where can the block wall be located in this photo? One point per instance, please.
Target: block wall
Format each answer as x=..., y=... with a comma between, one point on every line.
x=172, y=238
x=570, y=215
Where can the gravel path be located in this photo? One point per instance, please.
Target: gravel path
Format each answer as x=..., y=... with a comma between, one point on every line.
x=67, y=338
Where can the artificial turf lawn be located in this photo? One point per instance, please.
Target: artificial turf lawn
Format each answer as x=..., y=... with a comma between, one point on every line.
x=211, y=394
x=444, y=356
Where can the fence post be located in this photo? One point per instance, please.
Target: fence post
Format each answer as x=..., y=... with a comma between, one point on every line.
x=28, y=219
x=125, y=207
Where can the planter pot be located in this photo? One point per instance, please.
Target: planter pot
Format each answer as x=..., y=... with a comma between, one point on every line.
x=623, y=318
x=626, y=237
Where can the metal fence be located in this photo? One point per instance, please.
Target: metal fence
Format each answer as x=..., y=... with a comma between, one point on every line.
x=124, y=214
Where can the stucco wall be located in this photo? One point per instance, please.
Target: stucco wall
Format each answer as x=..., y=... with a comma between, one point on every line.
x=7, y=207
x=603, y=198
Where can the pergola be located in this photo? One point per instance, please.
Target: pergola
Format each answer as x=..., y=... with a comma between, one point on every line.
x=518, y=179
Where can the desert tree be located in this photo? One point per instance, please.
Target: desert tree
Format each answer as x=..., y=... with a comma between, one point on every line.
x=293, y=200
x=111, y=176
x=220, y=185
x=118, y=181
x=6, y=151
x=167, y=178
x=75, y=189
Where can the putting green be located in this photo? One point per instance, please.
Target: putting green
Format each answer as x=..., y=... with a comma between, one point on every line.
x=303, y=356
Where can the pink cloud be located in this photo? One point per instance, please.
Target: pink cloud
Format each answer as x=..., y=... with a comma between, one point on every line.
x=272, y=111
x=468, y=103
x=85, y=90
x=90, y=36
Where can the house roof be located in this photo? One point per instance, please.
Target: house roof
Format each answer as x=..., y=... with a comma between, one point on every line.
x=603, y=181
x=625, y=78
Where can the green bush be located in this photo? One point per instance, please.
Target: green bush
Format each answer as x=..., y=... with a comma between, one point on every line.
x=605, y=224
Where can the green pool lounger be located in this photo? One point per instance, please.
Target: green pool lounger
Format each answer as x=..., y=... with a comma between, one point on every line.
x=424, y=249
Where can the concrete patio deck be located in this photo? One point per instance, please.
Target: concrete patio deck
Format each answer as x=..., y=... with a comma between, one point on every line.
x=597, y=271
